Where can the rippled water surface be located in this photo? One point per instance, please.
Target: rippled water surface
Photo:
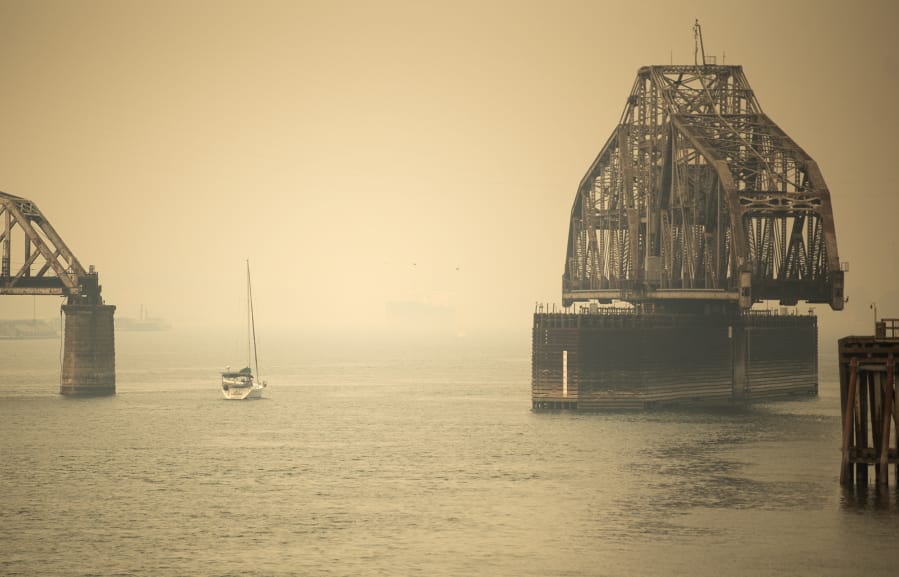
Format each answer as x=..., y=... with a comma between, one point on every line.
x=411, y=462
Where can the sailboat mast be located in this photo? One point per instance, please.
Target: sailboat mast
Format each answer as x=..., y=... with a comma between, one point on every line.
x=249, y=319
x=252, y=320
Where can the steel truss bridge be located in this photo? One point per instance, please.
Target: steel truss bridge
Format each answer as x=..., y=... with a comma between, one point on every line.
x=698, y=196
x=46, y=265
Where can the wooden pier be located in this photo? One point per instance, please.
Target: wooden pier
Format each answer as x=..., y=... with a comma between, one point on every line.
x=870, y=414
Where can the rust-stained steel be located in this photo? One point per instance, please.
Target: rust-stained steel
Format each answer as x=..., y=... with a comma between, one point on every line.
x=698, y=196
x=47, y=266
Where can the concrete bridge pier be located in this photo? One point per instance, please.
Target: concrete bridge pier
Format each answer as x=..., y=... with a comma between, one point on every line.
x=88, y=365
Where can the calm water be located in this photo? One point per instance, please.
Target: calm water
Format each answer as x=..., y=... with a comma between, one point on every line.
x=424, y=462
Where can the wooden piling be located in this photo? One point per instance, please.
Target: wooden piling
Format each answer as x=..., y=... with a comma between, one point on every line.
x=848, y=411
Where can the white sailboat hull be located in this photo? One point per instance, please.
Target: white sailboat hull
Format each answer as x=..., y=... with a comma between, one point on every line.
x=241, y=393
x=240, y=386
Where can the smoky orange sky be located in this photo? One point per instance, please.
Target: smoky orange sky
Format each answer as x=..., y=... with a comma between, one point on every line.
x=368, y=153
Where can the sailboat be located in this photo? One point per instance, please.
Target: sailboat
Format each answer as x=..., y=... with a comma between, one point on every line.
x=242, y=384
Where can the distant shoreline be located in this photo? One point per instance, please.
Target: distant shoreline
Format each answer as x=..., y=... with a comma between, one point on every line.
x=28, y=329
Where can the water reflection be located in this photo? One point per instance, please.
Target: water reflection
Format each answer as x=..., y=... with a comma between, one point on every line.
x=870, y=498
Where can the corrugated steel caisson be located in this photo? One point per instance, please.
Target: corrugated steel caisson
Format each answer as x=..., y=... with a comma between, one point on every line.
x=619, y=359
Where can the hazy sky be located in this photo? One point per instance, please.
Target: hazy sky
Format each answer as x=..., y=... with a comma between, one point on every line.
x=362, y=153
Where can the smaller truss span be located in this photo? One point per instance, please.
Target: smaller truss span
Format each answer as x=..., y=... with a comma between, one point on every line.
x=36, y=260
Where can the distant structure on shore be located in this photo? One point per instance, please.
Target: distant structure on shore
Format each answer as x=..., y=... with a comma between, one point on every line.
x=29, y=329
x=144, y=322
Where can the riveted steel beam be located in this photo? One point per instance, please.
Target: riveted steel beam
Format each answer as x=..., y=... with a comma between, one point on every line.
x=697, y=192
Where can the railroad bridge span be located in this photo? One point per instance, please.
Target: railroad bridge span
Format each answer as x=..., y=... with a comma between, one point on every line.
x=697, y=207
x=36, y=261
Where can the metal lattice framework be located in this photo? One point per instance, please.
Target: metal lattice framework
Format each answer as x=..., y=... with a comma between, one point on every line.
x=47, y=266
x=699, y=196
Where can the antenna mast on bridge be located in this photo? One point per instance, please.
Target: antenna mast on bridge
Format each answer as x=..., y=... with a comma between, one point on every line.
x=698, y=48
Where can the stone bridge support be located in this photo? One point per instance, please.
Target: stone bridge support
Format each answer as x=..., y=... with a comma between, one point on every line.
x=88, y=366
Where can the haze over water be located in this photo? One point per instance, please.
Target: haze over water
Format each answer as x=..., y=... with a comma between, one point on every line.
x=427, y=461
x=366, y=154
x=381, y=163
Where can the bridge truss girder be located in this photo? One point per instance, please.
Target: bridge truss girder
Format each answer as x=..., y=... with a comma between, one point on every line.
x=699, y=196
x=35, y=260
